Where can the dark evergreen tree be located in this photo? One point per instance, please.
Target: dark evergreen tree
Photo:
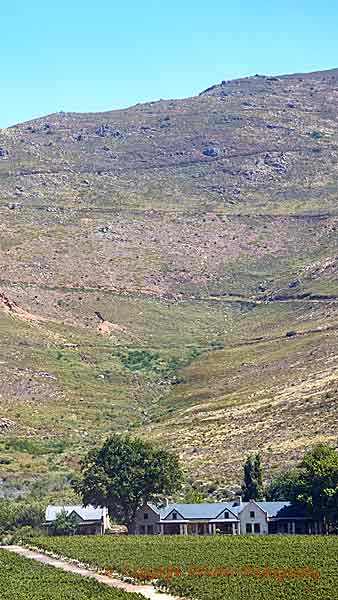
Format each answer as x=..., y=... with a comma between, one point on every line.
x=252, y=488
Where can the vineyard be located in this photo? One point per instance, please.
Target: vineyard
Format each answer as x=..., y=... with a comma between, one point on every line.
x=23, y=579
x=221, y=568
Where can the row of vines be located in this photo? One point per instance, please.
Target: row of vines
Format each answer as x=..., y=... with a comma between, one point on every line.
x=217, y=568
x=24, y=579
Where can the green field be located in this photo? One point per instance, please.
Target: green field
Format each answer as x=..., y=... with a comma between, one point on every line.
x=221, y=568
x=23, y=579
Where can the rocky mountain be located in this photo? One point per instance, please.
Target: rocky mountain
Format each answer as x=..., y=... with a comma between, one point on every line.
x=172, y=269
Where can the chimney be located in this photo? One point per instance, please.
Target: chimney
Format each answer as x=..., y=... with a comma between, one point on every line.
x=238, y=500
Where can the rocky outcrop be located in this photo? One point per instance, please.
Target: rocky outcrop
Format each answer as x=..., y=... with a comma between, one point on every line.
x=210, y=151
x=108, y=131
x=11, y=307
x=107, y=328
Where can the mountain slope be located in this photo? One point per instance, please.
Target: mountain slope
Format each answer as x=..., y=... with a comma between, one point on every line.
x=179, y=263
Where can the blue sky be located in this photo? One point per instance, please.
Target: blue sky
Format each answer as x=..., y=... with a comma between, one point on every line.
x=76, y=55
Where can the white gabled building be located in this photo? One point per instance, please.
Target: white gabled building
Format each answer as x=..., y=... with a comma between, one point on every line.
x=90, y=520
x=232, y=518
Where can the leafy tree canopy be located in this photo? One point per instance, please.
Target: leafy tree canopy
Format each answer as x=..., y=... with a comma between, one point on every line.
x=125, y=473
x=317, y=485
x=283, y=486
x=192, y=496
x=314, y=484
x=15, y=514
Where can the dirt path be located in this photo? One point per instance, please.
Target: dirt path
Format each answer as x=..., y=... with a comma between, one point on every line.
x=306, y=298
x=146, y=590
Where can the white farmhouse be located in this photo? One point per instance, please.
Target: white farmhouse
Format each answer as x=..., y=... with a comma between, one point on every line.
x=90, y=520
x=231, y=518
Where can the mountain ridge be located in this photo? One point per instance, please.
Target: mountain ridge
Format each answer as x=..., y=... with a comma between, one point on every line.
x=306, y=74
x=204, y=232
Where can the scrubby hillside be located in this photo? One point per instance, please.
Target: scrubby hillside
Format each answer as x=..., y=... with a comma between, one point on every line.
x=172, y=269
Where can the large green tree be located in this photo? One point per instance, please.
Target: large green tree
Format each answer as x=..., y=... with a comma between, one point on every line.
x=314, y=484
x=283, y=486
x=252, y=488
x=125, y=473
x=317, y=484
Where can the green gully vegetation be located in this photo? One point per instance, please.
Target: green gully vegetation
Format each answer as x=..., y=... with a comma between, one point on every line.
x=155, y=364
x=262, y=567
x=33, y=447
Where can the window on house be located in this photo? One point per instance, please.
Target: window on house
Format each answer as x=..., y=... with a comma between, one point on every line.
x=248, y=528
x=257, y=528
x=175, y=516
x=142, y=529
x=226, y=515
x=145, y=516
x=150, y=529
x=252, y=514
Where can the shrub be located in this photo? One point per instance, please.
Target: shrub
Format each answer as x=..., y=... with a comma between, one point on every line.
x=316, y=135
x=14, y=514
x=153, y=364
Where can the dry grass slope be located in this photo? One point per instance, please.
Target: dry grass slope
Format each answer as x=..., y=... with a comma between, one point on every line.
x=200, y=232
